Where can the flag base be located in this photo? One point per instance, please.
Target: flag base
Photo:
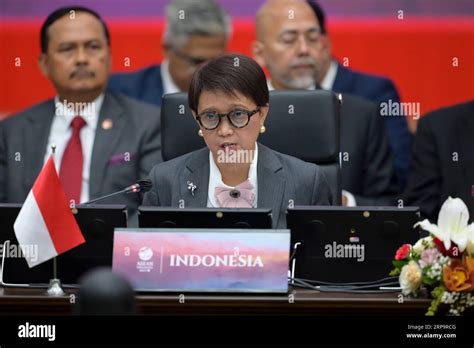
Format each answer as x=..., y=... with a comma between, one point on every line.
x=55, y=288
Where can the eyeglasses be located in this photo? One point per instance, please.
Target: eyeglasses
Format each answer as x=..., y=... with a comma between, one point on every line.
x=238, y=118
x=193, y=61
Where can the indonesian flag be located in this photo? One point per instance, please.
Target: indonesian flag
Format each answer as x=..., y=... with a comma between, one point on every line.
x=45, y=220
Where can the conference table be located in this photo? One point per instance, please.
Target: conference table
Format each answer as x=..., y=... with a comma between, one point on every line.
x=298, y=302
x=300, y=316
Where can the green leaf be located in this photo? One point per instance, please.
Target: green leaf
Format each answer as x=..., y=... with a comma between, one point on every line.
x=429, y=281
x=437, y=293
x=394, y=272
x=399, y=263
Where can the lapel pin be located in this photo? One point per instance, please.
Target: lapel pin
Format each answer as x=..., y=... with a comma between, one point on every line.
x=191, y=187
x=107, y=124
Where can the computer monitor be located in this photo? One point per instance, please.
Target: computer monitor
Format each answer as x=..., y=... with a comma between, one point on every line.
x=342, y=244
x=97, y=223
x=165, y=217
x=16, y=269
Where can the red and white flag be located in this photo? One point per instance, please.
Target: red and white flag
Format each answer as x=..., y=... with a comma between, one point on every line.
x=45, y=220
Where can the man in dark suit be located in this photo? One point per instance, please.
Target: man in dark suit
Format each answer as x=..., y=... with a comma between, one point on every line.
x=196, y=31
x=339, y=78
x=103, y=142
x=291, y=47
x=442, y=162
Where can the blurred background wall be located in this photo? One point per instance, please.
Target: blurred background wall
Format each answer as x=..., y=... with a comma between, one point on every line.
x=429, y=53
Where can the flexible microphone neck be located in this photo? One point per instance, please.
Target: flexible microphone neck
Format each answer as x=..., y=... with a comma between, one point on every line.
x=142, y=185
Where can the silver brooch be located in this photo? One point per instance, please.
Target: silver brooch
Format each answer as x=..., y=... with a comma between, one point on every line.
x=191, y=187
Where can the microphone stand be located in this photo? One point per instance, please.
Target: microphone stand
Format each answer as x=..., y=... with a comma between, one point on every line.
x=143, y=185
x=106, y=196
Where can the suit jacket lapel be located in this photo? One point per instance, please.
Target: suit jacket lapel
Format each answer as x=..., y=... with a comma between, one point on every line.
x=159, y=83
x=344, y=81
x=340, y=79
x=196, y=173
x=271, y=182
x=36, y=136
x=105, y=142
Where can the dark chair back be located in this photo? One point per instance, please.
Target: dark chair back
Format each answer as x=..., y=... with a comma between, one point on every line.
x=302, y=124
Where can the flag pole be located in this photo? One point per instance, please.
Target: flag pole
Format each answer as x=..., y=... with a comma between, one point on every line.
x=55, y=287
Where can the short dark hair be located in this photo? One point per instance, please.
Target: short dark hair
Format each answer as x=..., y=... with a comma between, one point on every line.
x=59, y=13
x=229, y=74
x=318, y=11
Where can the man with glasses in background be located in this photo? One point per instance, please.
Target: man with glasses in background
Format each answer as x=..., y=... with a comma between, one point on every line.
x=196, y=31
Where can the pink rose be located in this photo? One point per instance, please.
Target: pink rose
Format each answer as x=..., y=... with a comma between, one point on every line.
x=402, y=252
x=428, y=257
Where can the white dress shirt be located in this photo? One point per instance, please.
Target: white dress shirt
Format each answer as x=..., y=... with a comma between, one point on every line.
x=215, y=180
x=271, y=88
x=61, y=132
x=328, y=82
x=168, y=84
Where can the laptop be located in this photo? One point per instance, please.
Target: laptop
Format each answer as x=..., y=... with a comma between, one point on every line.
x=348, y=244
x=97, y=223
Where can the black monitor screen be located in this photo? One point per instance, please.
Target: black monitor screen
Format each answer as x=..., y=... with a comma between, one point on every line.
x=97, y=223
x=341, y=244
x=161, y=217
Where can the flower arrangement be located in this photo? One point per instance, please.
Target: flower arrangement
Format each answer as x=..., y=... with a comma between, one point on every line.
x=443, y=262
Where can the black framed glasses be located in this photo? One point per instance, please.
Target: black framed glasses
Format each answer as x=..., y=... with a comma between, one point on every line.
x=238, y=118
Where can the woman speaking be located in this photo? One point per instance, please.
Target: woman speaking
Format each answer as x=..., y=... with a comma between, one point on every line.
x=229, y=98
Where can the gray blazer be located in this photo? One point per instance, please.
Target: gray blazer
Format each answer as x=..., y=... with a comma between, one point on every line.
x=135, y=130
x=282, y=180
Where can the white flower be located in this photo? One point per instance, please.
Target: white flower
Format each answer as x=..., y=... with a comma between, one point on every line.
x=410, y=278
x=452, y=224
x=470, y=239
x=423, y=244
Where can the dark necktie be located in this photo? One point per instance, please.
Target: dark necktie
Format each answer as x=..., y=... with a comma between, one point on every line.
x=70, y=172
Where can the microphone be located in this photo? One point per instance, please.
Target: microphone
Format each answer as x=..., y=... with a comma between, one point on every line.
x=142, y=185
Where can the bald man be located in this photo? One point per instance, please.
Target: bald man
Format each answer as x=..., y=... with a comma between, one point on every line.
x=289, y=43
x=378, y=89
x=279, y=24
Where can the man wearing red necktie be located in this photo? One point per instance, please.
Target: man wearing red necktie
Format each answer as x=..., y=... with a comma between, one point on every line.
x=103, y=141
